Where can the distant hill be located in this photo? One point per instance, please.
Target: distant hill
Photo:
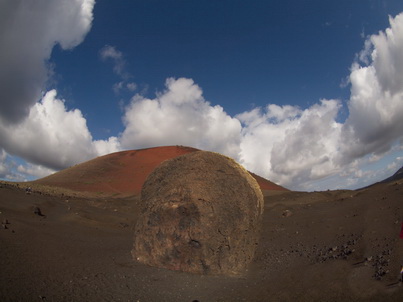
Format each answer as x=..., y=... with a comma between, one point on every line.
x=398, y=175
x=123, y=173
x=395, y=177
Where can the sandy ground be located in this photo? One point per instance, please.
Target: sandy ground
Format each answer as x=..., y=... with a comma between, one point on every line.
x=321, y=246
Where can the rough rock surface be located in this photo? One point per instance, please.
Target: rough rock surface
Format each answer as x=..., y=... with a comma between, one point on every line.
x=201, y=214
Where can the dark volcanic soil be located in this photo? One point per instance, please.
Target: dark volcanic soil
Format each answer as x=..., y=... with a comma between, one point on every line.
x=323, y=246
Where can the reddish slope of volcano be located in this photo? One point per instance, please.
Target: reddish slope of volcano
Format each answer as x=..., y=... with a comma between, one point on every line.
x=122, y=173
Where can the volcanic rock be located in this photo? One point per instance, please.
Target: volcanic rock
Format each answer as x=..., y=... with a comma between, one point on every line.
x=37, y=211
x=201, y=214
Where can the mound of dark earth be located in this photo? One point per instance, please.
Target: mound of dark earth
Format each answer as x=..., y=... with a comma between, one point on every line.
x=201, y=214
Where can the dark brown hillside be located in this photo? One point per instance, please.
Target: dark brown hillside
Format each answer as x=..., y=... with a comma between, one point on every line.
x=122, y=173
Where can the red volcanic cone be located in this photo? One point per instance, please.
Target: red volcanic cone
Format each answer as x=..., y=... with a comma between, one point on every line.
x=122, y=174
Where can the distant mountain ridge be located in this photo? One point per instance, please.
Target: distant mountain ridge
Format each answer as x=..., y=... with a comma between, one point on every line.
x=122, y=174
x=397, y=176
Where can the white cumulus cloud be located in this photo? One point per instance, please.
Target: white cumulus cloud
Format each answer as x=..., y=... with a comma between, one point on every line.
x=180, y=115
x=375, y=122
x=53, y=136
x=300, y=148
x=36, y=126
x=28, y=32
x=295, y=147
x=291, y=146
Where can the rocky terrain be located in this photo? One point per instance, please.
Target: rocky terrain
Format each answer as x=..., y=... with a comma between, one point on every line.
x=59, y=245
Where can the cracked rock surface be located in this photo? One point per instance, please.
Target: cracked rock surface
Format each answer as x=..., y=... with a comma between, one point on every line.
x=201, y=214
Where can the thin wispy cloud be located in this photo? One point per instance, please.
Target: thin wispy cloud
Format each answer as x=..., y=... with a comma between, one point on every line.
x=111, y=53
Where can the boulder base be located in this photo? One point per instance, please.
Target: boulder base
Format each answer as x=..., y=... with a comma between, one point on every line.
x=201, y=214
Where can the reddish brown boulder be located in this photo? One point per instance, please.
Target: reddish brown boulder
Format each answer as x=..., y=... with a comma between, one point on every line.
x=201, y=214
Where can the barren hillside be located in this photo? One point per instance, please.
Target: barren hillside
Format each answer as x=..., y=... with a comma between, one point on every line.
x=122, y=174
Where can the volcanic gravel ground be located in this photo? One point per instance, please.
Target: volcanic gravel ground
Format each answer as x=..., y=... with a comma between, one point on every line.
x=320, y=246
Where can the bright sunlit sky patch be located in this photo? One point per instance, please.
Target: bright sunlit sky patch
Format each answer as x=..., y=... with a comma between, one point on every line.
x=308, y=94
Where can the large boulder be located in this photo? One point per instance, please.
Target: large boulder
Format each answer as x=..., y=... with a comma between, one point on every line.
x=201, y=214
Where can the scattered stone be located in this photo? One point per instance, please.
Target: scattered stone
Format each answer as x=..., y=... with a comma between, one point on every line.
x=4, y=224
x=336, y=252
x=201, y=214
x=381, y=265
x=287, y=213
x=37, y=211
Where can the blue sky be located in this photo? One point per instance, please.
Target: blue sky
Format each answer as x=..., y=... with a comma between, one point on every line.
x=308, y=94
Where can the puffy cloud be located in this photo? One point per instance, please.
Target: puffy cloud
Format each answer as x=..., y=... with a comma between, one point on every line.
x=283, y=143
x=291, y=146
x=301, y=148
x=180, y=115
x=101, y=147
x=28, y=32
x=376, y=103
x=387, y=56
x=42, y=132
x=53, y=136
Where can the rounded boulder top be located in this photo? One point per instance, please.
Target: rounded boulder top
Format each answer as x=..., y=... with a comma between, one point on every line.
x=201, y=214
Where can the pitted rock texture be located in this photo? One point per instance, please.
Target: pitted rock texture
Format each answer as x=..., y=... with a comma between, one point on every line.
x=201, y=214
